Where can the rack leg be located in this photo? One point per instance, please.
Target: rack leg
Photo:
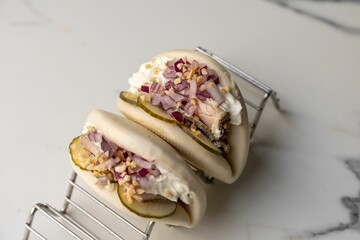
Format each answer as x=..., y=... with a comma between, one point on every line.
x=148, y=230
x=29, y=223
x=69, y=192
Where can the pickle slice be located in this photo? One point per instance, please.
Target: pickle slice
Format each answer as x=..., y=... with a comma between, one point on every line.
x=128, y=97
x=157, y=208
x=79, y=155
x=154, y=111
x=202, y=140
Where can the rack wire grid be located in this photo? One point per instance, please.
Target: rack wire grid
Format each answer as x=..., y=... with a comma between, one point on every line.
x=78, y=231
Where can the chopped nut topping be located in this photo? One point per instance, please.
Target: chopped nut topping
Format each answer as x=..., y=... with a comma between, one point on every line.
x=156, y=71
x=140, y=191
x=178, y=105
x=120, y=168
x=148, y=65
x=179, y=74
x=177, y=81
x=211, y=84
x=202, y=87
x=135, y=182
x=168, y=194
x=186, y=74
x=123, y=174
x=225, y=90
x=203, y=71
x=197, y=133
x=127, y=178
x=101, y=159
x=180, y=65
x=90, y=167
x=133, y=165
x=121, y=181
x=153, y=79
x=193, y=102
x=199, y=79
x=96, y=173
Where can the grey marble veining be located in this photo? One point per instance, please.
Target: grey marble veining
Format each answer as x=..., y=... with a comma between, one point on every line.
x=337, y=24
x=352, y=203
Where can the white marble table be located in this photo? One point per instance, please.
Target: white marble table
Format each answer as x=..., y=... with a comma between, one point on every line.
x=60, y=59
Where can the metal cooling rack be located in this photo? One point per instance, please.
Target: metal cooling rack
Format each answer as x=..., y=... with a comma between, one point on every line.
x=77, y=230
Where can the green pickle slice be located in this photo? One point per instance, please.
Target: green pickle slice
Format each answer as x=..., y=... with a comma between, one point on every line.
x=128, y=97
x=157, y=208
x=202, y=140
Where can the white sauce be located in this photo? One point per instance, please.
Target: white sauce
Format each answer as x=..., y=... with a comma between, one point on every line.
x=147, y=71
x=232, y=106
x=168, y=181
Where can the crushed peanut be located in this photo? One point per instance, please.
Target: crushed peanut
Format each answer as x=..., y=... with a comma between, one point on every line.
x=121, y=182
x=202, y=87
x=193, y=101
x=156, y=71
x=168, y=194
x=199, y=79
x=177, y=81
x=197, y=133
x=127, y=178
x=153, y=79
x=178, y=105
x=203, y=71
x=140, y=191
x=148, y=65
x=211, y=84
x=225, y=90
x=123, y=174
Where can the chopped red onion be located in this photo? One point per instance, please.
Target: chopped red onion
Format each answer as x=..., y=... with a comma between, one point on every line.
x=143, y=172
x=155, y=87
x=110, y=163
x=141, y=162
x=145, y=88
x=117, y=175
x=169, y=84
x=180, y=61
x=90, y=146
x=156, y=100
x=103, y=180
x=194, y=64
x=170, y=73
x=214, y=92
x=155, y=172
x=193, y=89
x=167, y=102
x=91, y=136
x=181, y=86
x=191, y=110
x=176, y=97
x=177, y=116
x=98, y=137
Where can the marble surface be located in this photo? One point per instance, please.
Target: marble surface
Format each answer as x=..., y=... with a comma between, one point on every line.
x=60, y=59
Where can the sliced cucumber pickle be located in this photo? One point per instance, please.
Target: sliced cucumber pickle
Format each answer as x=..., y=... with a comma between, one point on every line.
x=202, y=140
x=157, y=208
x=154, y=111
x=79, y=155
x=128, y=97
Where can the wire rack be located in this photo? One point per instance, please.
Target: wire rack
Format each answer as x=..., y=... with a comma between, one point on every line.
x=77, y=230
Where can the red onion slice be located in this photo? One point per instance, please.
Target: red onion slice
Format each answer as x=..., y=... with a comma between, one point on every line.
x=117, y=175
x=145, y=88
x=103, y=180
x=176, y=97
x=143, y=172
x=214, y=92
x=156, y=100
x=177, y=116
x=167, y=102
x=141, y=162
x=155, y=87
x=193, y=89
